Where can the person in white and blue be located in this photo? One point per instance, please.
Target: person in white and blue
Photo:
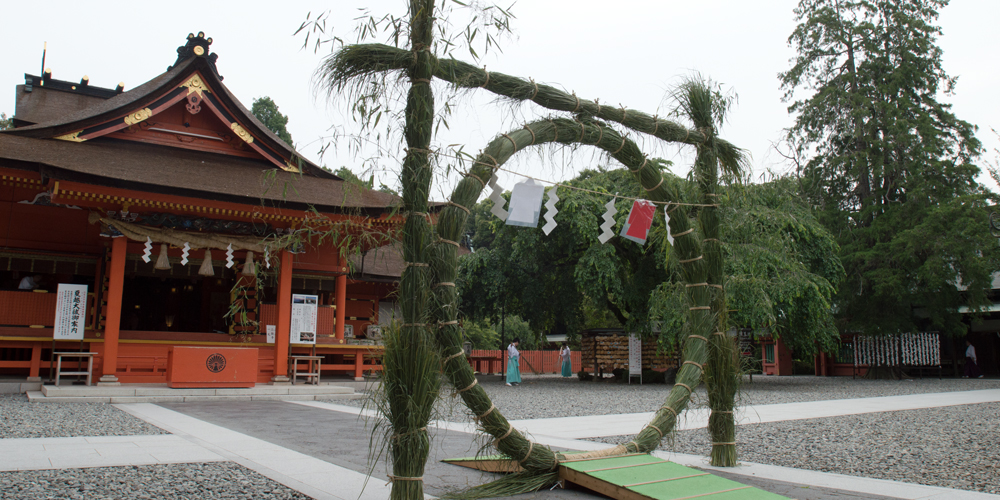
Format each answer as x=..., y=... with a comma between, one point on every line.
x=567, y=364
x=513, y=363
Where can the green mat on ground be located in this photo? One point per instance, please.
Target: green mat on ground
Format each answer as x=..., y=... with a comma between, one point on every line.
x=636, y=477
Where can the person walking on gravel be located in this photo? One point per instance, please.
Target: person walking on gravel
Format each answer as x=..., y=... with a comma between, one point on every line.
x=513, y=363
x=567, y=365
x=971, y=368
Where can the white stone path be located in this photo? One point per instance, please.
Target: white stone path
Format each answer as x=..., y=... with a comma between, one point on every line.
x=193, y=440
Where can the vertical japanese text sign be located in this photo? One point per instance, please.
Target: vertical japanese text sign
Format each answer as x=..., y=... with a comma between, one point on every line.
x=71, y=312
x=303, y=328
x=634, y=354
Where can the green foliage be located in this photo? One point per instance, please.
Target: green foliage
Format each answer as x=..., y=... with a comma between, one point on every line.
x=891, y=169
x=5, y=122
x=486, y=334
x=568, y=271
x=265, y=110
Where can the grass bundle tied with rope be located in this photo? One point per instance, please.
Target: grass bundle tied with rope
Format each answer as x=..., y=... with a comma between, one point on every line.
x=410, y=385
x=432, y=259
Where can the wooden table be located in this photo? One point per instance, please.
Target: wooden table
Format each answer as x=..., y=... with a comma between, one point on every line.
x=312, y=368
x=90, y=364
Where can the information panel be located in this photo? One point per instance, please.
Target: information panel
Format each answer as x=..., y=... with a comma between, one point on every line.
x=303, y=319
x=634, y=356
x=71, y=312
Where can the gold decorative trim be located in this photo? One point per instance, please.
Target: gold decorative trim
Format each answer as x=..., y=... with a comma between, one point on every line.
x=74, y=137
x=288, y=167
x=138, y=116
x=199, y=50
x=195, y=85
x=242, y=133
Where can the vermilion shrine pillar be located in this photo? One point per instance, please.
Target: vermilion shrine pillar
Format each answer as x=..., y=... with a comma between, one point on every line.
x=284, y=326
x=112, y=322
x=341, y=306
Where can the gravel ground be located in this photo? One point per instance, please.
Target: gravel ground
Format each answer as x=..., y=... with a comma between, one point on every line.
x=553, y=396
x=21, y=419
x=953, y=447
x=217, y=480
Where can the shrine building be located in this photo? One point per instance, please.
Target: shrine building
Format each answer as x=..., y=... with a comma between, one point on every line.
x=191, y=224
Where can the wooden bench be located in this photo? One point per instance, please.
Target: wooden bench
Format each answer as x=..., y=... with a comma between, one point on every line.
x=313, y=365
x=90, y=364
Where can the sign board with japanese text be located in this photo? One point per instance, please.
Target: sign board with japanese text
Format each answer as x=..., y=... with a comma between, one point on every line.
x=303, y=319
x=71, y=312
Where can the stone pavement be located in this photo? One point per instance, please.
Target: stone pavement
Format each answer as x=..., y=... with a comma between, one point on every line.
x=321, y=449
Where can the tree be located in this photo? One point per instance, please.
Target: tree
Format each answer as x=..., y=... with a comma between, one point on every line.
x=890, y=167
x=5, y=123
x=265, y=110
x=568, y=270
x=781, y=266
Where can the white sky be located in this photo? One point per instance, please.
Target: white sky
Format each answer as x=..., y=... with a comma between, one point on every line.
x=626, y=52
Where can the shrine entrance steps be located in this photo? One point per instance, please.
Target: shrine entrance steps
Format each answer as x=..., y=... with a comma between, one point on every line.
x=160, y=393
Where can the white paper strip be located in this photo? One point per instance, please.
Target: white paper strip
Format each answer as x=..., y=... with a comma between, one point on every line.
x=525, y=204
x=229, y=256
x=551, y=211
x=147, y=250
x=608, y=228
x=267, y=257
x=184, y=253
x=497, y=197
x=666, y=217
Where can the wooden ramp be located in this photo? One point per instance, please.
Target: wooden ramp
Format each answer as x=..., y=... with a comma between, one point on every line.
x=635, y=477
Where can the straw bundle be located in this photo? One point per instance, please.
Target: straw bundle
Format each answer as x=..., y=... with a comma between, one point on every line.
x=535, y=459
x=722, y=375
x=354, y=61
x=410, y=388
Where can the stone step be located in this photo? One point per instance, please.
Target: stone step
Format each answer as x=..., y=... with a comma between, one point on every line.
x=161, y=390
x=40, y=397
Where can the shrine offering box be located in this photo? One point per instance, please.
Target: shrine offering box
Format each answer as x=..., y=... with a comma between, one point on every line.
x=211, y=367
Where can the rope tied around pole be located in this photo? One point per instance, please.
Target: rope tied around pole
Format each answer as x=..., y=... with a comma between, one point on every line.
x=449, y=242
x=393, y=479
x=658, y=184
x=699, y=337
x=686, y=261
x=577, y=107
x=414, y=431
x=453, y=356
x=644, y=160
x=479, y=418
x=695, y=363
x=531, y=446
x=532, y=80
x=731, y=443
x=470, y=386
x=510, y=428
x=692, y=285
x=700, y=308
x=420, y=80
x=620, y=147
x=416, y=264
x=476, y=177
x=684, y=386
x=487, y=82
x=532, y=132
x=444, y=283
x=657, y=429
x=511, y=141
x=719, y=333
x=656, y=124
x=684, y=233
x=555, y=131
x=462, y=207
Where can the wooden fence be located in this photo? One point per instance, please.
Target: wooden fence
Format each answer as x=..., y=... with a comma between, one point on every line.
x=543, y=361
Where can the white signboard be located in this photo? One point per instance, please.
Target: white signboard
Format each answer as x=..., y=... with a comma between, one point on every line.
x=634, y=356
x=71, y=312
x=303, y=319
x=270, y=333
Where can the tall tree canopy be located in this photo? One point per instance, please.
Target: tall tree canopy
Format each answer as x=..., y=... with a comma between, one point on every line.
x=265, y=110
x=890, y=166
